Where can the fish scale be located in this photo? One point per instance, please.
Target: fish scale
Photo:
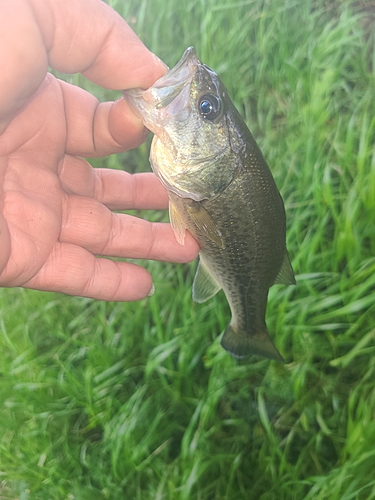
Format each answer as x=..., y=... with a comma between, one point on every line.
x=242, y=265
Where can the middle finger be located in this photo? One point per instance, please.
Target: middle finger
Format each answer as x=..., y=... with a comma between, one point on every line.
x=116, y=189
x=88, y=223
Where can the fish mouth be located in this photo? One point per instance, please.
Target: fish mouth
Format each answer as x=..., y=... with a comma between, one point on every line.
x=170, y=91
x=178, y=76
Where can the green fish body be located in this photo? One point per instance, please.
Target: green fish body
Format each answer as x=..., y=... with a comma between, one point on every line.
x=222, y=191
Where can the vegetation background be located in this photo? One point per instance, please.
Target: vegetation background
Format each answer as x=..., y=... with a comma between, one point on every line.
x=138, y=401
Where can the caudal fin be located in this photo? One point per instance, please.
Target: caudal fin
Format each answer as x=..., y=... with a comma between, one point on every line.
x=242, y=344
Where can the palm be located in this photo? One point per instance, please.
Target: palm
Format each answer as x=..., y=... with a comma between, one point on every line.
x=56, y=210
x=32, y=194
x=57, y=207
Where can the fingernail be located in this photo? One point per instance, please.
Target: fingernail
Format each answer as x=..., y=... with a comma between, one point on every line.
x=152, y=291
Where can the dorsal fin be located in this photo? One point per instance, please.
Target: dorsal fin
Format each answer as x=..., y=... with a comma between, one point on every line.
x=285, y=275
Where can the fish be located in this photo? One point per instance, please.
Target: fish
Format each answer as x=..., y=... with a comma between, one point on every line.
x=222, y=191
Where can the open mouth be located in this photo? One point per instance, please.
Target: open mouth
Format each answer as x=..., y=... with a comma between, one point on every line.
x=168, y=87
x=183, y=71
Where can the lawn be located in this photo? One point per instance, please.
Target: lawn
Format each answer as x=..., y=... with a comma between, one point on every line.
x=138, y=400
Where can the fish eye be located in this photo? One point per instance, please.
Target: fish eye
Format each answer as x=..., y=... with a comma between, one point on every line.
x=209, y=106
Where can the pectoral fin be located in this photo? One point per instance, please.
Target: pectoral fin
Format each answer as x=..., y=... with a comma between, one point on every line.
x=286, y=274
x=204, y=285
x=205, y=223
x=177, y=223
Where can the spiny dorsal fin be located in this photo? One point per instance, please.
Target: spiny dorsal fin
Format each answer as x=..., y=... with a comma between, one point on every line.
x=204, y=285
x=286, y=274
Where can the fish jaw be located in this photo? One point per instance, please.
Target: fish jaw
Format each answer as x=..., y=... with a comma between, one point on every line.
x=168, y=97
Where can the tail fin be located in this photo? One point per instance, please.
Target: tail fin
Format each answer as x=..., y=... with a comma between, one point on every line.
x=242, y=344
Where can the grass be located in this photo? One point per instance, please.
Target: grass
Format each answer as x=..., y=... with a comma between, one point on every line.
x=111, y=401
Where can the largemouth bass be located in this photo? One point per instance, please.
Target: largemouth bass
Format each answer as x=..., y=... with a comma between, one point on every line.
x=222, y=191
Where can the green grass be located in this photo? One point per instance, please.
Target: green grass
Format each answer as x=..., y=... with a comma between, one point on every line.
x=139, y=401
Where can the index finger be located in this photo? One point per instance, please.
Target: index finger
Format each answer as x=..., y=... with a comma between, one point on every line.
x=89, y=37
x=72, y=36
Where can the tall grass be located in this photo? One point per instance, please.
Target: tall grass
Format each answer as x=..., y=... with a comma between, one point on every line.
x=106, y=400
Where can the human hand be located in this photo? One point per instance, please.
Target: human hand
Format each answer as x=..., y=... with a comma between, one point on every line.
x=55, y=208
